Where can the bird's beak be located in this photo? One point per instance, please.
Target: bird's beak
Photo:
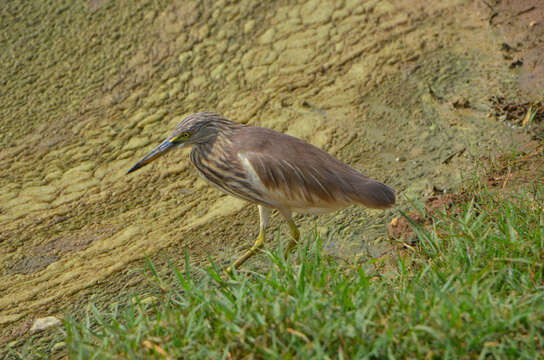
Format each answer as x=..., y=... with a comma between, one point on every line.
x=163, y=148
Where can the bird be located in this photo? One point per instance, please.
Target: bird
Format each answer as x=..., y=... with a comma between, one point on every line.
x=270, y=169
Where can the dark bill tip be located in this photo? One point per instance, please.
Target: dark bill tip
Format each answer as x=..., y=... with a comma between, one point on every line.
x=134, y=168
x=153, y=154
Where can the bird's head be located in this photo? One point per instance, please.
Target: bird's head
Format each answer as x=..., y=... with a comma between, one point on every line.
x=194, y=129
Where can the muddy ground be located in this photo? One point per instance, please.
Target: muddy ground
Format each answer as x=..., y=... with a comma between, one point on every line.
x=401, y=90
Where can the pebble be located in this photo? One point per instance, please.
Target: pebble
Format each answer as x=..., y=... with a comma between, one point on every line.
x=45, y=323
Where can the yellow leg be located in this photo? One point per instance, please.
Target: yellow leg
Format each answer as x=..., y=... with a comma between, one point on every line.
x=242, y=259
x=264, y=214
x=295, y=234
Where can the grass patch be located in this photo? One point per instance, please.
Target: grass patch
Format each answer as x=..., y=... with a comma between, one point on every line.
x=473, y=288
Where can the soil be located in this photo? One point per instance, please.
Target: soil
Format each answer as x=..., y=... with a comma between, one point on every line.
x=403, y=90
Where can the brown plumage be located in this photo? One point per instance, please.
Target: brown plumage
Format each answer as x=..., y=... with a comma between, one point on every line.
x=306, y=176
x=270, y=169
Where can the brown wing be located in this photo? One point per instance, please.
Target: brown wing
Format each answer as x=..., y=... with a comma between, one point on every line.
x=298, y=175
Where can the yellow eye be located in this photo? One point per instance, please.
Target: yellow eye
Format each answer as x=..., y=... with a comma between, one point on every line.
x=181, y=136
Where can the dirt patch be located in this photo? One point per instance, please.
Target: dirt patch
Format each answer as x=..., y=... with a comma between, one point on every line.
x=511, y=170
x=41, y=256
x=30, y=264
x=528, y=115
x=402, y=227
x=504, y=175
x=521, y=22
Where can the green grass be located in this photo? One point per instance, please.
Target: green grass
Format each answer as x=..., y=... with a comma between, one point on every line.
x=472, y=288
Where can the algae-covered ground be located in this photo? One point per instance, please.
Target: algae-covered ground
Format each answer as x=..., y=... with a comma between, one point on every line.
x=399, y=89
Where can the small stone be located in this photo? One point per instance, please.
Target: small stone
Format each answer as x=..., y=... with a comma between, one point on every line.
x=45, y=323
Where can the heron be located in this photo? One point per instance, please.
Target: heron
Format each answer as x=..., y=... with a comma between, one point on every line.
x=270, y=169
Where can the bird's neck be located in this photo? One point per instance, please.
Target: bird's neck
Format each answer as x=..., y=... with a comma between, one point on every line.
x=213, y=142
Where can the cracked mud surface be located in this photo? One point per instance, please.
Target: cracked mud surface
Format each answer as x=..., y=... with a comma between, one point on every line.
x=87, y=88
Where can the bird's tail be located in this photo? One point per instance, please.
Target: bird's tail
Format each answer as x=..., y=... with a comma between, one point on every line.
x=374, y=194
